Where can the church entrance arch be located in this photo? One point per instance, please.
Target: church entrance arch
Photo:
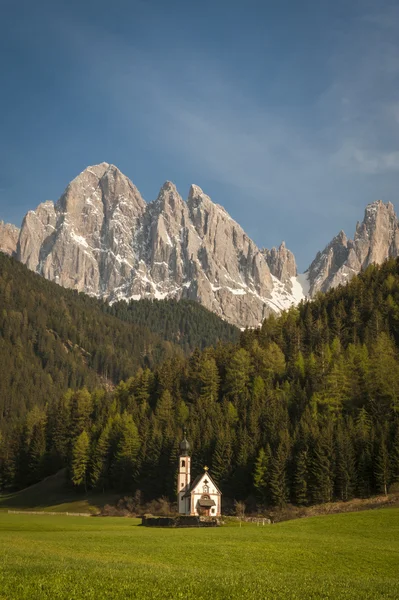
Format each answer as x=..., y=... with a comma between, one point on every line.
x=205, y=505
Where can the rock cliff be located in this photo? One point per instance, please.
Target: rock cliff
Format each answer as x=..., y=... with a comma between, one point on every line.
x=8, y=238
x=103, y=239
x=376, y=239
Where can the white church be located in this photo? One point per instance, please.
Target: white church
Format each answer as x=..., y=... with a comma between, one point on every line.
x=202, y=496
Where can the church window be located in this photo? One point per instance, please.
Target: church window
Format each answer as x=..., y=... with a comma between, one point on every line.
x=183, y=463
x=206, y=489
x=182, y=484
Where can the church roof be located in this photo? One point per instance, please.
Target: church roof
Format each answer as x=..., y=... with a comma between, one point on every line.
x=206, y=502
x=184, y=446
x=196, y=481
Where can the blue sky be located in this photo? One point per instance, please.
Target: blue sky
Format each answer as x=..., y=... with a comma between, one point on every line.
x=286, y=113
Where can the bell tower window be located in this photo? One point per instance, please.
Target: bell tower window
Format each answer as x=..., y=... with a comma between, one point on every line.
x=183, y=463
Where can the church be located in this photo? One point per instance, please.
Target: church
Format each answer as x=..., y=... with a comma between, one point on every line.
x=201, y=497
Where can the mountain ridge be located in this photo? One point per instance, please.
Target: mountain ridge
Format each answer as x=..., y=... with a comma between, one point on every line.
x=102, y=238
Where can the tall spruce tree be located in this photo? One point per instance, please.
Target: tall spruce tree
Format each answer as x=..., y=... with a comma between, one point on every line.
x=80, y=460
x=261, y=475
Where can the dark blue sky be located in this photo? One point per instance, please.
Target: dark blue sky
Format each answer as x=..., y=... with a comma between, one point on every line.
x=286, y=113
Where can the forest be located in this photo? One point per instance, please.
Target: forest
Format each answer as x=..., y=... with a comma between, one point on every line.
x=53, y=339
x=304, y=409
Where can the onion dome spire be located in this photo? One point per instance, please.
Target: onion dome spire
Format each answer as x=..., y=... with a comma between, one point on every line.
x=184, y=445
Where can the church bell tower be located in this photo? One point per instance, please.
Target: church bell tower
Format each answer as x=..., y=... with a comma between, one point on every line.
x=184, y=477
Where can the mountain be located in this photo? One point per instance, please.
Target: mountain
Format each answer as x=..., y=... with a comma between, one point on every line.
x=101, y=238
x=376, y=239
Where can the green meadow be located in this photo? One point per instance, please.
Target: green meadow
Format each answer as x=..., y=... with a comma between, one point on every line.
x=351, y=556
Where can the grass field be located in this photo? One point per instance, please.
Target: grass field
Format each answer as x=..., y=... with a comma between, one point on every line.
x=351, y=556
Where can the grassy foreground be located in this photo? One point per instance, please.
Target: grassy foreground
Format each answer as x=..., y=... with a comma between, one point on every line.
x=351, y=556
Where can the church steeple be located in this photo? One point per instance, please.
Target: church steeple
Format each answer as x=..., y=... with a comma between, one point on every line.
x=184, y=476
x=184, y=445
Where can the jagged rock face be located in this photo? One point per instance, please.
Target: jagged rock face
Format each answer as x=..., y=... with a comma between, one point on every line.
x=84, y=240
x=103, y=239
x=281, y=263
x=376, y=239
x=8, y=238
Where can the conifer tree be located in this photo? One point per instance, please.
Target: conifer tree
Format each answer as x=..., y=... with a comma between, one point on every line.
x=345, y=473
x=222, y=457
x=382, y=467
x=99, y=463
x=164, y=409
x=36, y=453
x=209, y=380
x=300, y=484
x=394, y=466
x=126, y=457
x=320, y=480
x=261, y=474
x=278, y=474
x=80, y=460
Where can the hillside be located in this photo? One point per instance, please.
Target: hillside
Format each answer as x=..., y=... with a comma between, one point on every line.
x=302, y=410
x=52, y=339
x=183, y=322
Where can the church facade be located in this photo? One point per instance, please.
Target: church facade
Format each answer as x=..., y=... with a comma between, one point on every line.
x=201, y=497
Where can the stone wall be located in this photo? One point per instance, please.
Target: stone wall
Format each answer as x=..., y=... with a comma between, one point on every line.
x=180, y=521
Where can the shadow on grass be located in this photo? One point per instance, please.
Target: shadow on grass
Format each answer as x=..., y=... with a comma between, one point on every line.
x=54, y=493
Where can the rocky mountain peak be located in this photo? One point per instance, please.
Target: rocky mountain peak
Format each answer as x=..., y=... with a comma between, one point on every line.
x=195, y=194
x=103, y=239
x=340, y=238
x=281, y=263
x=169, y=201
x=376, y=238
x=8, y=238
x=100, y=237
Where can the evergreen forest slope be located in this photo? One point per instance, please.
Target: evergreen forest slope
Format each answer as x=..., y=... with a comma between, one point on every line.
x=183, y=322
x=304, y=409
x=53, y=339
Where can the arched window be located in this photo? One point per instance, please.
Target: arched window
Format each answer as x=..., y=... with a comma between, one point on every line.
x=183, y=463
x=206, y=489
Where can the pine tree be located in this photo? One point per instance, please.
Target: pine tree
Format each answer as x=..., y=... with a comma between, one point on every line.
x=238, y=375
x=363, y=450
x=80, y=460
x=320, y=480
x=99, y=463
x=222, y=457
x=81, y=407
x=164, y=409
x=394, y=466
x=382, y=471
x=36, y=453
x=209, y=380
x=345, y=473
x=127, y=452
x=300, y=484
x=261, y=474
x=279, y=476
